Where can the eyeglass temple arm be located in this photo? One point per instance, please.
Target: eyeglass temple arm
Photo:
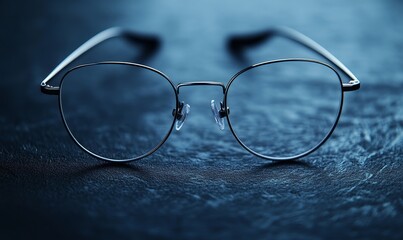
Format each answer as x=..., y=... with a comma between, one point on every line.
x=237, y=44
x=149, y=42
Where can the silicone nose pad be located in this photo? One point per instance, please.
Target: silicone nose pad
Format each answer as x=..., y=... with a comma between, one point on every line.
x=184, y=110
x=216, y=113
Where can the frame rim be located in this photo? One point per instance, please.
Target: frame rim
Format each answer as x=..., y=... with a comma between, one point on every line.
x=148, y=153
x=305, y=153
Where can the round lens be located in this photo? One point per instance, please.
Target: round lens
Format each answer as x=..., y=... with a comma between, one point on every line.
x=117, y=111
x=284, y=109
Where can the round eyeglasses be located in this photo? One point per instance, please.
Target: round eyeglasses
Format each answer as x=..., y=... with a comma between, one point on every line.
x=289, y=107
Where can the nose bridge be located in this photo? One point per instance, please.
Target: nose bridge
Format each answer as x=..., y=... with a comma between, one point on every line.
x=219, y=112
x=201, y=83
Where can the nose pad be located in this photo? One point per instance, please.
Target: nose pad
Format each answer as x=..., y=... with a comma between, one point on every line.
x=183, y=111
x=217, y=113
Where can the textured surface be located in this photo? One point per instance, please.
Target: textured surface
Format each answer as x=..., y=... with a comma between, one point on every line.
x=201, y=183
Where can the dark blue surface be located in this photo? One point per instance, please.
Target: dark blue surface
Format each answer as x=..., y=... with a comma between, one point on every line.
x=201, y=183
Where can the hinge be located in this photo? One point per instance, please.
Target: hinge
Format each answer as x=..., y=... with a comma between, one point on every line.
x=50, y=90
x=352, y=85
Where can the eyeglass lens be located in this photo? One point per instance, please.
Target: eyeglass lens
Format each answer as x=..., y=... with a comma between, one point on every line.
x=117, y=111
x=287, y=107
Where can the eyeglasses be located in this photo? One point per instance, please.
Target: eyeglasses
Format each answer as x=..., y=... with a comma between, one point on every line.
x=277, y=110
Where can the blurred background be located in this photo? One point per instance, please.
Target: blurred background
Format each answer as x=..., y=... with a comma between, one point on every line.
x=196, y=186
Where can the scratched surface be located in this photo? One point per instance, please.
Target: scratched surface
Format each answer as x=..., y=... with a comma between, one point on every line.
x=201, y=183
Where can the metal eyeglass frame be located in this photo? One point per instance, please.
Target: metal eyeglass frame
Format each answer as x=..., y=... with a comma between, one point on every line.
x=235, y=43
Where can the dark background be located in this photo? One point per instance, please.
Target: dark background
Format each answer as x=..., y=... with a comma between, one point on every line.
x=196, y=186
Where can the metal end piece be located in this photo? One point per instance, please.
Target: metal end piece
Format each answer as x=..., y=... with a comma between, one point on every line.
x=50, y=90
x=351, y=86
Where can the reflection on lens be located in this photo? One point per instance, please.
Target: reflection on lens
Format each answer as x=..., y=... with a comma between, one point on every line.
x=285, y=108
x=117, y=111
